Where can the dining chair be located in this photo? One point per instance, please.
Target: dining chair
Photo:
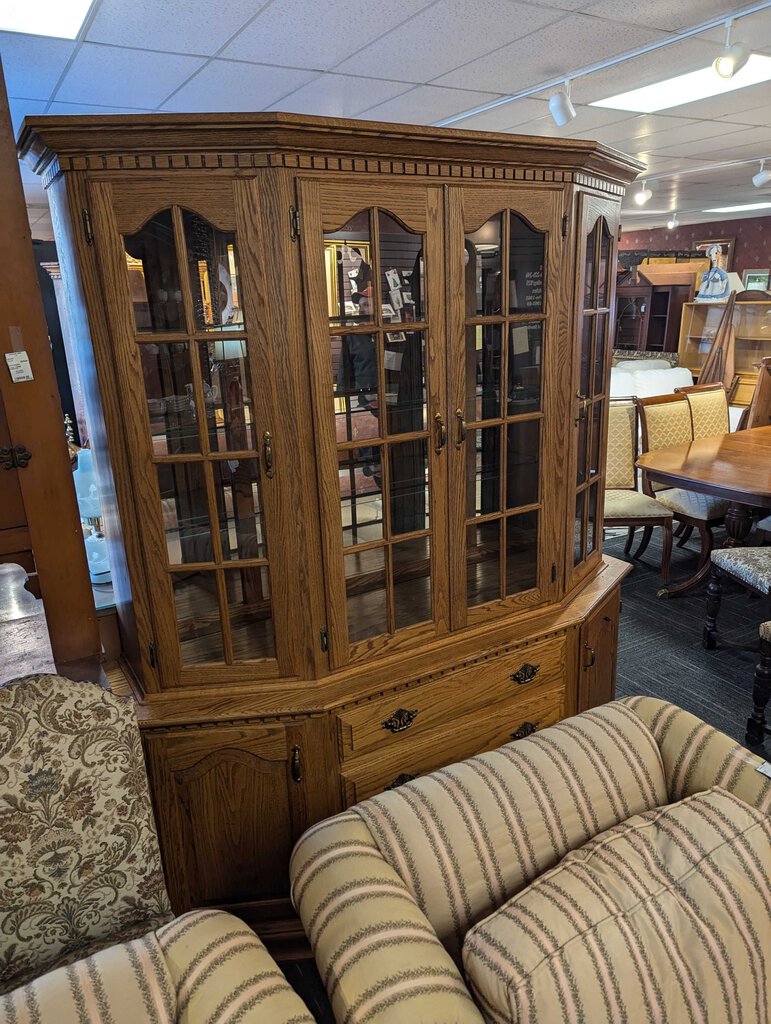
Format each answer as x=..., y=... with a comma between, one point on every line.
x=665, y=422
x=757, y=727
x=625, y=505
x=708, y=406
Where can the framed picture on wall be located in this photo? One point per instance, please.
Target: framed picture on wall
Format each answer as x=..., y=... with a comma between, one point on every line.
x=726, y=257
x=756, y=280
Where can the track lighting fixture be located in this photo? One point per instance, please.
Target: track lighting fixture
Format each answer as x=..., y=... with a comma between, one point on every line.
x=673, y=222
x=733, y=58
x=561, y=107
x=762, y=177
x=642, y=197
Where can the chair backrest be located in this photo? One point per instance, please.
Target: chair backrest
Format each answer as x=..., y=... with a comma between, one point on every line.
x=665, y=421
x=708, y=404
x=80, y=867
x=621, y=472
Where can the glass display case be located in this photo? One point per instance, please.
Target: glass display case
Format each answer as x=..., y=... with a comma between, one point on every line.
x=752, y=327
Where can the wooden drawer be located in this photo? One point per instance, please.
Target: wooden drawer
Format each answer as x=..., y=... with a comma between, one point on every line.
x=485, y=730
x=423, y=709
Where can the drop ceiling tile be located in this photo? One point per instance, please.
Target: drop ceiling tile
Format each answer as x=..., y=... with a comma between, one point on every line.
x=445, y=35
x=113, y=76
x=721, y=145
x=233, y=85
x=590, y=120
x=22, y=108
x=682, y=137
x=340, y=95
x=427, y=104
x=93, y=108
x=321, y=33
x=662, y=14
x=33, y=64
x=754, y=29
x=506, y=117
x=574, y=42
x=174, y=26
x=641, y=127
x=730, y=104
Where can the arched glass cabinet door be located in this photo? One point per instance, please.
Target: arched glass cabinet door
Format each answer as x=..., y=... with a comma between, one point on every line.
x=593, y=338
x=503, y=277
x=200, y=431
x=374, y=291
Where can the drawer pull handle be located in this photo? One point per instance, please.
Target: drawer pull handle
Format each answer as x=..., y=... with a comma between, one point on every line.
x=526, y=729
x=461, y=429
x=267, y=452
x=401, y=779
x=592, y=656
x=296, y=765
x=526, y=674
x=400, y=720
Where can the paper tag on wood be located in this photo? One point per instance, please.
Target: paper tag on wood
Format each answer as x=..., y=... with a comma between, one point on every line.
x=18, y=364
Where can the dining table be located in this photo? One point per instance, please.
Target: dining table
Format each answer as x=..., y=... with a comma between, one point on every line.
x=734, y=466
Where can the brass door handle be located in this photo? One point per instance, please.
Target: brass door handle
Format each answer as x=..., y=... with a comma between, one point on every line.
x=461, y=428
x=592, y=656
x=526, y=729
x=441, y=433
x=296, y=766
x=267, y=453
x=583, y=405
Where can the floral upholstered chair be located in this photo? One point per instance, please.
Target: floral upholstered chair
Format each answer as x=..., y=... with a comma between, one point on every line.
x=86, y=929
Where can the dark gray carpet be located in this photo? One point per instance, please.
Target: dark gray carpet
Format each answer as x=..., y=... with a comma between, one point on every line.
x=660, y=651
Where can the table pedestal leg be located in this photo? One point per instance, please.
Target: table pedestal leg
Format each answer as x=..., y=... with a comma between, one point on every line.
x=738, y=523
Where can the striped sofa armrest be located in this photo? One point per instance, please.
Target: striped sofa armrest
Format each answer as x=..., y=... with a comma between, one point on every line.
x=221, y=971
x=379, y=958
x=697, y=756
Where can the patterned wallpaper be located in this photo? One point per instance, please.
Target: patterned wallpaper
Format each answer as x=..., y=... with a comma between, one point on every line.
x=751, y=252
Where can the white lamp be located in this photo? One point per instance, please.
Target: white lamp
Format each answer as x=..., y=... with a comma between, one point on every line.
x=560, y=106
x=762, y=177
x=733, y=58
x=642, y=197
x=673, y=222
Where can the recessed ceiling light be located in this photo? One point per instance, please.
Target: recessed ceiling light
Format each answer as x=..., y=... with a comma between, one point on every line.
x=59, y=18
x=737, y=209
x=696, y=85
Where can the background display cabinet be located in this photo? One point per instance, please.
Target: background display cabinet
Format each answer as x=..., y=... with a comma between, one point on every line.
x=752, y=328
x=347, y=384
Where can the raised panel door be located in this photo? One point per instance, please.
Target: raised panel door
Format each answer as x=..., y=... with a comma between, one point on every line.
x=374, y=277
x=504, y=372
x=202, y=427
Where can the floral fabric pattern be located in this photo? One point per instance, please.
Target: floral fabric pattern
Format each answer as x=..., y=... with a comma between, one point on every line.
x=749, y=565
x=80, y=867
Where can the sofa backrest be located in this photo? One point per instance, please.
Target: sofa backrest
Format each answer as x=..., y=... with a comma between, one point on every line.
x=468, y=837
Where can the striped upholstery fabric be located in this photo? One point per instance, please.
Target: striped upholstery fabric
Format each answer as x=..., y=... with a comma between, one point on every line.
x=697, y=757
x=206, y=967
x=665, y=917
x=466, y=838
x=378, y=956
x=222, y=972
x=124, y=984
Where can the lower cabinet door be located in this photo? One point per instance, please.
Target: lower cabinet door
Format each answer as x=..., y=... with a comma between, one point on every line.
x=598, y=645
x=230, y=801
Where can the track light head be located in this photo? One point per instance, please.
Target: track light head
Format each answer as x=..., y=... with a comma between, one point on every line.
x=642, y=197
x=673, y=222
x=733, y=58
x=762, y=177
x=561, y=107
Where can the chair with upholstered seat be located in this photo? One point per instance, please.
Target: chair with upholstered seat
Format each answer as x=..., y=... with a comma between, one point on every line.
x=708, y=406
x=757, y=726
x=86, y=929
x=666, y=422
x=624, y=504
x=750, y=567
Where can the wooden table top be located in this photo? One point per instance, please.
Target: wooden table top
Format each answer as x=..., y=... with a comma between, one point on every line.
x=734, y=466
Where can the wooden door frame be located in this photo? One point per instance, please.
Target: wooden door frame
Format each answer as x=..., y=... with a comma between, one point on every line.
x=35, y=419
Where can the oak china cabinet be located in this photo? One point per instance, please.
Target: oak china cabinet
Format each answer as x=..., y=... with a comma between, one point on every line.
x=347, y=389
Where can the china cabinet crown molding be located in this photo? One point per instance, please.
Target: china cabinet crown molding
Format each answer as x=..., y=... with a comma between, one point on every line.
x=347, y=387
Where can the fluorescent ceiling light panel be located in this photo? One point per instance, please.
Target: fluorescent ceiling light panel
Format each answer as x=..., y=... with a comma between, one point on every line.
x=696, y=85
x=738, y=209
x=59, y=18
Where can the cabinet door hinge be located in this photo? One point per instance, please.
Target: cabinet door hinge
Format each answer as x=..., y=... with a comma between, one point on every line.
x=554, y=572
x=87, y=227
x=153, y=654
x=324, y=632
x=294, y=223
x=564, y=225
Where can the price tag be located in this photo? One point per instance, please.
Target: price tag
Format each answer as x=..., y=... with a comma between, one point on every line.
x=19, y=367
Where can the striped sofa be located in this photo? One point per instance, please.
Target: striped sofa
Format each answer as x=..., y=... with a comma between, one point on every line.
x=205, y=966
x=613, y=867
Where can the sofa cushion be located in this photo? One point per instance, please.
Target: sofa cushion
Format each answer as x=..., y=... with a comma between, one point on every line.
x=466, y=838
x=122, y=984
x=665, y=917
